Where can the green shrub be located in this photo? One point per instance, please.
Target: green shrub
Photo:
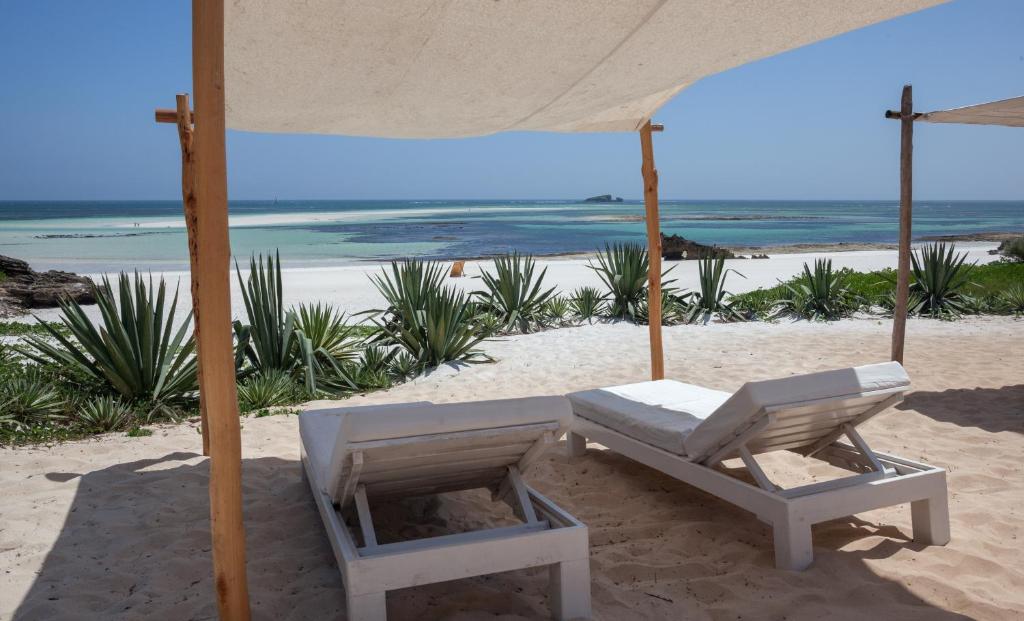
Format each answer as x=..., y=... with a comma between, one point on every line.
x=588, y=303
x=940, y=277
x=103, y=414
x=556, y=311
x=623, y=270
x=432, y=322
x=820, y=294
x=268, y=389
x=274, y=340
x=1011, y=300
x=709, y=299
x=514, y=293
x=28, y=400
x=136, y=351
x=1013, y=249
x=760, y=304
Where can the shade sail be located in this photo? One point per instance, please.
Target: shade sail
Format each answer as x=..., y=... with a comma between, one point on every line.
x=1009, y=112
x=450, y=68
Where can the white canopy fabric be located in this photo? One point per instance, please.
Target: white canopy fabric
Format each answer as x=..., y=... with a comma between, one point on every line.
x=451, y=68
x=1008, y=112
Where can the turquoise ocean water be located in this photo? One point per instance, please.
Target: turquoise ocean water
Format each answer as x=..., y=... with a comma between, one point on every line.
x=102, y=236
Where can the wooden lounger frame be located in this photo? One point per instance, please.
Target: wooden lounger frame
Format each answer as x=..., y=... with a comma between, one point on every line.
x=431, y=464
x=879, y=480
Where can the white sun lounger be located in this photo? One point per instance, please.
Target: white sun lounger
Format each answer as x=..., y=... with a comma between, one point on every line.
x=685, y=431
x=352, y=456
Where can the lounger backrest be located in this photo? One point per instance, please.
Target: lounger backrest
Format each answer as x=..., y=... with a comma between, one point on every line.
x=416, y=449
x=796, y=412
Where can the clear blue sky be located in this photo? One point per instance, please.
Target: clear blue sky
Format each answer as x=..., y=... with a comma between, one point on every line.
x=81, y=79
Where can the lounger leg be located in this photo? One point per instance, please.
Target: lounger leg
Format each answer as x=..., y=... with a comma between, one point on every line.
x=930, y=518
x=367, y=607
x=570, y=590
x=793, y=548
x=576, y=444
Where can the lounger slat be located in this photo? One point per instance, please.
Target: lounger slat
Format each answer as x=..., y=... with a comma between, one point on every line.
x=438, y=469
x=384, y=461
x=483, y=476
x=449, y=442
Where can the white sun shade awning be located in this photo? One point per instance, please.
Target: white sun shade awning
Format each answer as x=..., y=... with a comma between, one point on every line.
x=450, y=68
x=1008, y=112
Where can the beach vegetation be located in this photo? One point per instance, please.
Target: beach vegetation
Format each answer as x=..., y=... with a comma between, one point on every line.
x=623, y=270
x=432, y=322
x=103, y=414
x=269, y=389
x=820, y=293
x=557, y=312
x=136, y=351
x=940, y=279
x=710, y=297
x=274, y=339
x=515, y=292
x=29, y=400
x=1012, y=249
x=588, y=303
x=1011, y=300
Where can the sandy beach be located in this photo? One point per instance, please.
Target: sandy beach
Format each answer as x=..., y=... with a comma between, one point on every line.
x=349, y=287
x=117, y=527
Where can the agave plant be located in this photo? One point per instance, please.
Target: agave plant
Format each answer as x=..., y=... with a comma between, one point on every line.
x=136, y=351
x=940, y=276
x=404, y=365
x=103, y=414
x=763, y=304
x=587, y=303
x=273, y=340
x=623, y=270
x=431, y=321
x=27, y=401
x=710, y=298
x=328, y=331
x=1011, y=300
x=556, y=311
x=514, y=292
x=266, y=390
x=820, y=294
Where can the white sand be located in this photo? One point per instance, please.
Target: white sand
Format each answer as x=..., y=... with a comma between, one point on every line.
x=117, y=527
x=349, y=287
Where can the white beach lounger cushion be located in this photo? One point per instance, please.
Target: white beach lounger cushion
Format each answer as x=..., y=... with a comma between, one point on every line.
x=660, y=413
x=328, y=434
x=741, y=408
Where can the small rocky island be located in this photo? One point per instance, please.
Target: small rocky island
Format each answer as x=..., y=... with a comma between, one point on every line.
x=23, y=288
x=604, y=198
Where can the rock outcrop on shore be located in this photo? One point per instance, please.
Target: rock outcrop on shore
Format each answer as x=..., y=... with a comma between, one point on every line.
x=675, y=248
x=24, y=288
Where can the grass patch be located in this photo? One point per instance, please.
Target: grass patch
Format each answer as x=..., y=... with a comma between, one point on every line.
x=138, y=432
x=19, y=328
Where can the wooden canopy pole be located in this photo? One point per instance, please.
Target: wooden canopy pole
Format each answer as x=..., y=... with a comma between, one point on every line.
x=213, y=322
x=182, y=116
x=899, y=315
x=650, y=174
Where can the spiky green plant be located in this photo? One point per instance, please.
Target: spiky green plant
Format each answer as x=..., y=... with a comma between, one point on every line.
x=940, y=276
x=409, y=284
x=446, y=329
x=328, y=331
x=587, y=303
x=556, y=311
x=269, y=389
x=762, y=304
x=103, y=414
x=709, y=299
x=514, y=292
x=273, y=340
x=136, y=350
x=1011, y=300
x=29, y=400
x=433, y=322
x=403, y=365
x=674, y=307
x=623, y=270
x=820, y=293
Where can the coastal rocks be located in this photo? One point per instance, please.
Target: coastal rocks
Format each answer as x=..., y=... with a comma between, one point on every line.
x=24, y=288
x=604, y=198
x=675, y=248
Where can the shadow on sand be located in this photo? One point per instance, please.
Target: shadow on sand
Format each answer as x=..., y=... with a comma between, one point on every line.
x=136, y=545
x=989, y=409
